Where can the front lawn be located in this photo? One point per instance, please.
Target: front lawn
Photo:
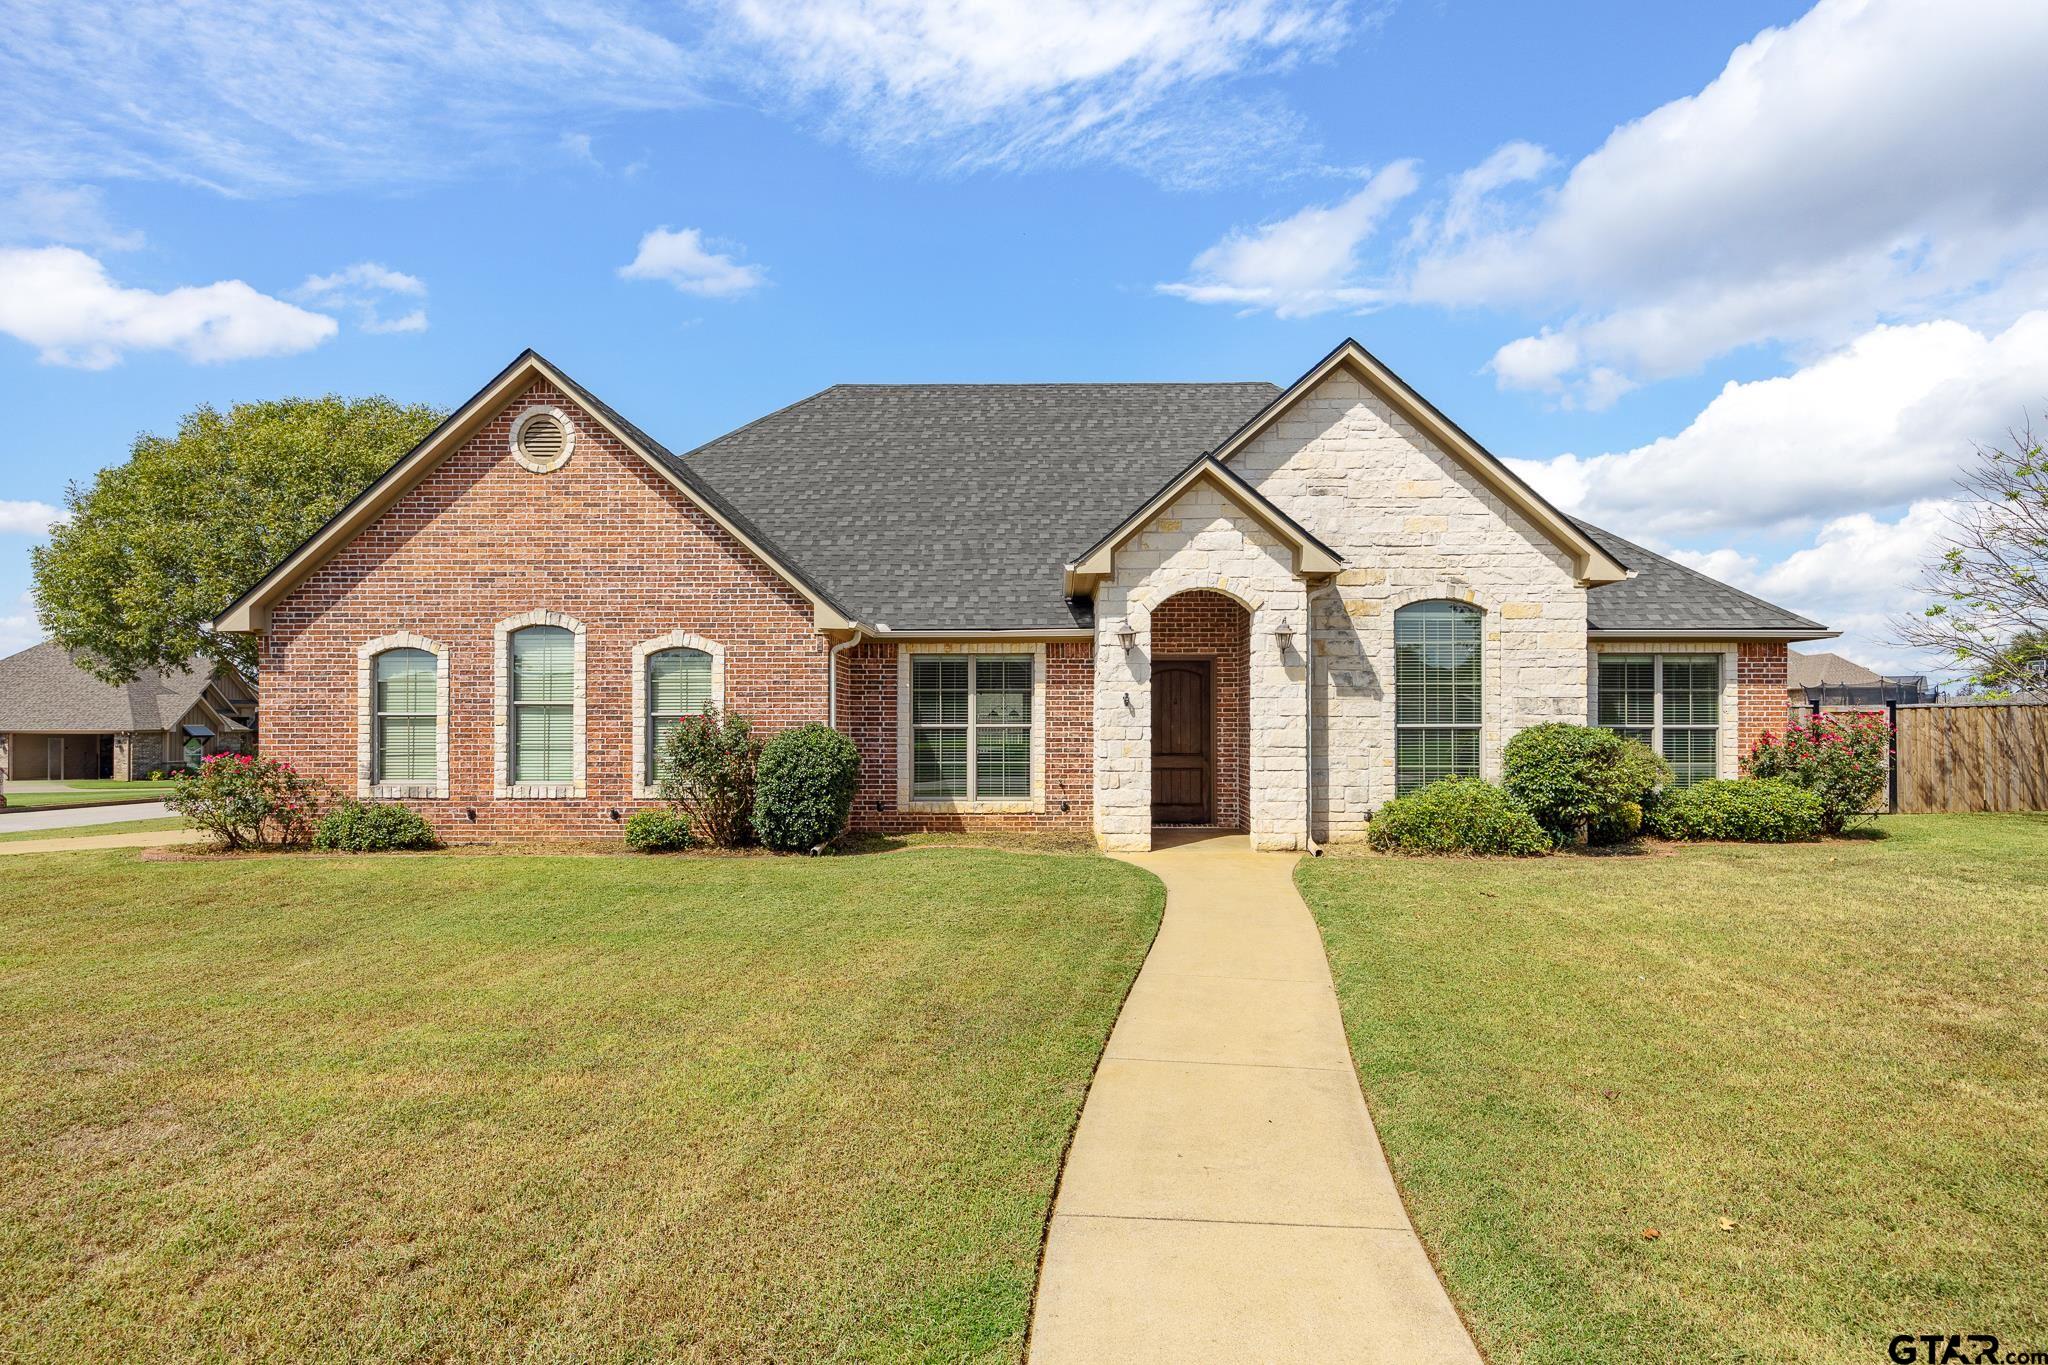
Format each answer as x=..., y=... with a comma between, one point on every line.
x=152, y=825
x=1840, y=1048
x=97, y=791
x=466, y=1106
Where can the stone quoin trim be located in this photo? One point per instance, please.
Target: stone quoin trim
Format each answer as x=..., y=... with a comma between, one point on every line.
x=970, y=804
x=366, y=721
x=526, y=461
x=644, y=787
x=501, y=719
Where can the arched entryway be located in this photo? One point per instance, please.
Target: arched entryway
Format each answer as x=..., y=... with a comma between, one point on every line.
x=1201, y=711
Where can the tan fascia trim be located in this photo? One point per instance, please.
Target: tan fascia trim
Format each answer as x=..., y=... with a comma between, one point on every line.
x=1625, y=637
x=1022, y=635
x=1591, y=564
x=250, y=614
x=1311, y=559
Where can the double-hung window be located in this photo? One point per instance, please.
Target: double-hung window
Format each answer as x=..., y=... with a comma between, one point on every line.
x=970, y=726
x=1671, y=702
x=1437, y=693
x=405, y=712
x=678, y=685
x=543, y=705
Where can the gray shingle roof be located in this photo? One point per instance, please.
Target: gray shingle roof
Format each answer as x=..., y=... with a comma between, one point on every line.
x=41, y=689
x=936, y=506
x=1822, y=669
x=1665, y=595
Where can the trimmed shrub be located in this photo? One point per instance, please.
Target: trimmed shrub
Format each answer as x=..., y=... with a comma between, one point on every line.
x=244, y=801
x=803, y=789
x=373, y=827
x=707, y=773
x=658, y=831
x=1752, y=810
x=1581, y=782
x=1457, y=815
x=1841, y=759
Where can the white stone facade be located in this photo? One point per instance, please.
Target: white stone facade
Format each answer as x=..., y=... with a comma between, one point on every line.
x=1201, y=540
x=1411, y=524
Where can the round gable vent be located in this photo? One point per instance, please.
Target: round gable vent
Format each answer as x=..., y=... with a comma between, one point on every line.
x=542, y=439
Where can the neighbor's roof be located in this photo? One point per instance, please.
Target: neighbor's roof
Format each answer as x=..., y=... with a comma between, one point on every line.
x=1828, y=670
x=42, y=689
x=1664, y=596
x=934, y=506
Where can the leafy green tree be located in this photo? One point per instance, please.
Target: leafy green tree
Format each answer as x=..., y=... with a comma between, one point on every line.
x=153, y=549
x=1988, y=590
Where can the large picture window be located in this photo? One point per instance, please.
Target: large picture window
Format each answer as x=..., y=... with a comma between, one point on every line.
x=970, y=726
x=678, y=685
x=1437, y=693
x=1671, y=702
x=543, y=738
x=405, y=711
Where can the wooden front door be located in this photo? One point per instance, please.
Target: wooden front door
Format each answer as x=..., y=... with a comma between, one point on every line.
x=1183, y=758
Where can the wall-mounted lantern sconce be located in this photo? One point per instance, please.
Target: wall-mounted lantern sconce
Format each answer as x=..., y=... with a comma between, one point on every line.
x=1126, y=635
x=1283, y=634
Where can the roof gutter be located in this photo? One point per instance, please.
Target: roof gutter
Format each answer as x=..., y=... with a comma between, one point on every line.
x=832, y=674
x=1816, y=633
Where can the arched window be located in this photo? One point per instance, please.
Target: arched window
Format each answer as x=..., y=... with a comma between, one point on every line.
x=405, y=717
x=543, y=705
x=678, y=685
x=1436, y=693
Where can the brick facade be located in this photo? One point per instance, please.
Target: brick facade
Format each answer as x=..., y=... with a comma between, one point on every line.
x=1761, y=701
x=605, y=540
x=1208, y=625
x=868, y=714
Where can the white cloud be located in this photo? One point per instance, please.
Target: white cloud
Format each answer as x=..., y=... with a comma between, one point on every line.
x=1299, y=266
x=1874, y=161
x=75, y=215
x=301, y=94
x=27, y=517
x=20, y=629
x=1885, y=421
x=686, y=261
x=365, y=288
x=1859, y=574
x=996, y=83
x=62, y=302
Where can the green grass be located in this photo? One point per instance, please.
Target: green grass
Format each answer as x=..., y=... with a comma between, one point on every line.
x=1839, y=1046
x=161, y=822
x=543, y=1107
x=86, y=792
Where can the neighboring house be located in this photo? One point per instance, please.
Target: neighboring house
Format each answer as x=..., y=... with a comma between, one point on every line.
x=1103, y=606
x=1830, y=678
x=59, y=721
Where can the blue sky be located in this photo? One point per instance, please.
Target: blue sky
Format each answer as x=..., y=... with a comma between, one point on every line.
x=1742, y=281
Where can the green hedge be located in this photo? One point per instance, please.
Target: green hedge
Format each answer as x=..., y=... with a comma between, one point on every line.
x=658, y=831
x=1578, y=780
x=1752, y=810
x=372, y=827
x=1458, y=815
x=803, y=788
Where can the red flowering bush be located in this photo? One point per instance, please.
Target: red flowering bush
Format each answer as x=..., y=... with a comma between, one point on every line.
x=247, y=802
x=1841, y=759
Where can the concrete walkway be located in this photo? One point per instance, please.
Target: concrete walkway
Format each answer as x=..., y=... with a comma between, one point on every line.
x=81, y=843
x=1226, y=1198
x=74, y=817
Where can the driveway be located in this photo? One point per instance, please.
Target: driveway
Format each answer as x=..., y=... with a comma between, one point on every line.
x=77, y=816
x=1226, y=1198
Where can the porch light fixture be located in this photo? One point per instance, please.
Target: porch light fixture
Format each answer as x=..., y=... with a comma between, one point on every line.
x=1283, y=634
x=1127, y=635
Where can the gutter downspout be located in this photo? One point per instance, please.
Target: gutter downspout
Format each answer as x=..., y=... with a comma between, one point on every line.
x=1308, y=727
x=832, y=674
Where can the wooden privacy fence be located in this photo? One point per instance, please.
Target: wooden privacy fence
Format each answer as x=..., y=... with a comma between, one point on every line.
x=1981, y=756
x=1984, y=756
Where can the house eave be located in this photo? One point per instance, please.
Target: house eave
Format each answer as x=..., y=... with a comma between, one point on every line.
x=1711, y=633
x=1312, y=558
